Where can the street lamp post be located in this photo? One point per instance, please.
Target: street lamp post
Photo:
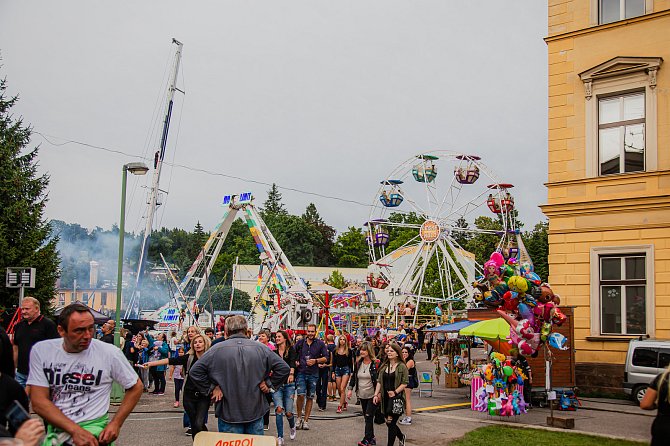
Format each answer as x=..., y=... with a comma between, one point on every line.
x=135, y=169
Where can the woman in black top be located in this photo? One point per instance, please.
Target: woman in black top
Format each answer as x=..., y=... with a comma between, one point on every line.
x=196, y=403
x=658, y=396
x=283, y=396
x=343, y=362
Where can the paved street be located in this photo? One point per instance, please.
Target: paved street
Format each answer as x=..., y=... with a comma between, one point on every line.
x=156, y=422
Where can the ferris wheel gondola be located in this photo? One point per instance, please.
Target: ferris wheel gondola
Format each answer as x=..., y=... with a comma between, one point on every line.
x=429, y=263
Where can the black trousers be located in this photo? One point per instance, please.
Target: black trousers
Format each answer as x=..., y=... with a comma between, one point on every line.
x=367, y=405
x=266, y=417
x=429, y=348
x=322, y=387
x=196, y=406
x=158, y=378
x=394, y=430
x=178, y=384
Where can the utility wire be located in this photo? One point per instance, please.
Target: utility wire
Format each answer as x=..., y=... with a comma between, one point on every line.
x=194, y=169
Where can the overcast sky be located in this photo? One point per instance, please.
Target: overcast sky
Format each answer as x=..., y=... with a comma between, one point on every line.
x=322, y=96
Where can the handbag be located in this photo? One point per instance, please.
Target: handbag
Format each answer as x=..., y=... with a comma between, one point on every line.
x=397, y=405
x=413, y=382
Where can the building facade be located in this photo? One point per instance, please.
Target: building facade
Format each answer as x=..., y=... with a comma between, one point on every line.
x=609, y=177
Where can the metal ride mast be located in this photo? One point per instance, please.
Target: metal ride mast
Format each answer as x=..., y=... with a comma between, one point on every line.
x=294, y=306
x=153, y=201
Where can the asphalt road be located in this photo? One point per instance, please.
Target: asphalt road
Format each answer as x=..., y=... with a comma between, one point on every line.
x=156, y=422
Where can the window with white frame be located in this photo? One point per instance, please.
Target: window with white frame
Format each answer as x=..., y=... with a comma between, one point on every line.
x=615, y=10
x=61, y=299
x=621, y=128
x=621, y=133
x=622, y=291
x=623, y=294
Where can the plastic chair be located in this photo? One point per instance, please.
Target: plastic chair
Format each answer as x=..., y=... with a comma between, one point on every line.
x=425, y=384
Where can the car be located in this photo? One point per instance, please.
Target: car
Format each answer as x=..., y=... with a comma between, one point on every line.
x=646, y=359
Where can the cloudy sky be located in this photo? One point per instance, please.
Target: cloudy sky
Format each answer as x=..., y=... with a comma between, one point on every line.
x=326, y=97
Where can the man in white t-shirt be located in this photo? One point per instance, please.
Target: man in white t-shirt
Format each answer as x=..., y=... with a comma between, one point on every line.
x=71, y=379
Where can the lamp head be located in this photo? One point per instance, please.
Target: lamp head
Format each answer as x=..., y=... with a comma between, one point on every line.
x=137, y=168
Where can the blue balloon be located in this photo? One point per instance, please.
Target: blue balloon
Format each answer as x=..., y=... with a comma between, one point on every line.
x=558, y=341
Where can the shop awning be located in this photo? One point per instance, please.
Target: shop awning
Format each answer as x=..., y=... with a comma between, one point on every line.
x=454, y=327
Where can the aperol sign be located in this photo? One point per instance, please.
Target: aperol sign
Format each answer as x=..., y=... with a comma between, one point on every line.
x=430, y=231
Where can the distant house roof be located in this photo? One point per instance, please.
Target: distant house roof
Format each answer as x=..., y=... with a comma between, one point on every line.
x=97, y=316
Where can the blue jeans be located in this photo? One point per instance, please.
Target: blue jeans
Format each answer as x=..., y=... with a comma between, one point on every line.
x=283, y=398
x=306, y=384
x=251, y=428
x=21, y=379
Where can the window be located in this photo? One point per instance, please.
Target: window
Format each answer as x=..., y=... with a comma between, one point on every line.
x=614, y=10
x=621, y=116
x=61, y=299
x=84, y=298
x=621, y=133
x=645, y=357
x=622, y=291
x=103, y=298
x=663, y=359
x=622, y=295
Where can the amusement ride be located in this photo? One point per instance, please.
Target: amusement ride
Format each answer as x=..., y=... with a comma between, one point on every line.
x=426, y=200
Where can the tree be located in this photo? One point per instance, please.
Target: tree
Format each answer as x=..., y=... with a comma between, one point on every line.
x=351, y=250
x=323, y=251
x=537, y=244
x=273, y=204
x=462, y=237
x=25, y=235
x=483, y=244
x=221, y=299
x=336, y=279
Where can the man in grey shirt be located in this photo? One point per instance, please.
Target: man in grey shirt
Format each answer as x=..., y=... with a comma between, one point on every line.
x=244, y=370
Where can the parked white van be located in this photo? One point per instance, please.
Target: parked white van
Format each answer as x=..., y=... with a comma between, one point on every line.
x=646, y=359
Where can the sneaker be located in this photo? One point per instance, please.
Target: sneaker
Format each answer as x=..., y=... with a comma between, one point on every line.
x=363, y=442
x=292, y=434
x=188, y=432
x=345, y=406
x=176, y=404
x=406, y=421
x=321, y=409
x=160, y=393
x=339, y=409
x=300, y=424
x=305, y=425
x=280, y=441
x=373, y=442
x=401, y=439
x=266, y=428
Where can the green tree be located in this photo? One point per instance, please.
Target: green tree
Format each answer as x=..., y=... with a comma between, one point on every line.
x=483, y=244
x=336, y=279
x=221, y=299
x=25, y=234
x=298, y=239
x=323, y=251
x=537, y=244
x=273, y=204
x=351, y=249
x=461, y=237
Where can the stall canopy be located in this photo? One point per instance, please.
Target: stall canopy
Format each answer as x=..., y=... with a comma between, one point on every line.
x=454, y=327
x=493, y=331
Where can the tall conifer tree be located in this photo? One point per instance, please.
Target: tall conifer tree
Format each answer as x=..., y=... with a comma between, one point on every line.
x=25, y=234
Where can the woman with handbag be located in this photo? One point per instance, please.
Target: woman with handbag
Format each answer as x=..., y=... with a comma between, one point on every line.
x=413, y=383
x=196, y=403
x=364, y=381
x=390, y=391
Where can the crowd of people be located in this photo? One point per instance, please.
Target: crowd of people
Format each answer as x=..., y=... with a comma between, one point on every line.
x=66, y=375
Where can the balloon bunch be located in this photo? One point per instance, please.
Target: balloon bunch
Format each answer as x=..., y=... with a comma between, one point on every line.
x=523, y=300
x=501, y=394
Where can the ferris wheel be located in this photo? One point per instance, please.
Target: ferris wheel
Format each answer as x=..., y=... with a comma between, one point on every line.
x=423, y=203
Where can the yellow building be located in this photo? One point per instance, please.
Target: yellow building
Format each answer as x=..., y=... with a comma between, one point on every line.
x=100, y=299
x=609, y=176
